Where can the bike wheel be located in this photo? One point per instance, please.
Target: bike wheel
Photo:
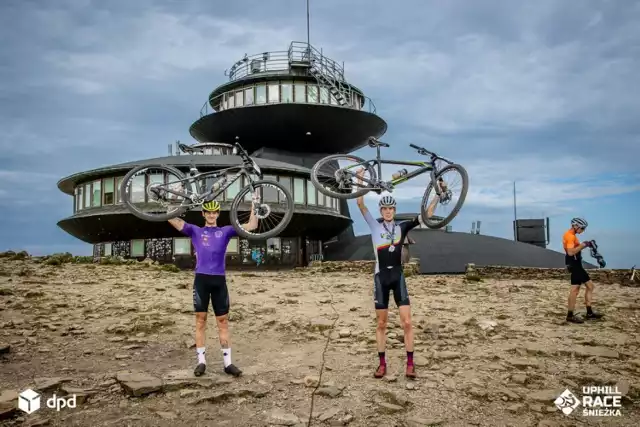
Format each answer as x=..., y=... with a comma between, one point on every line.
x=275, y=202
x=327, y=171
x=435, y=221
x=154, y=205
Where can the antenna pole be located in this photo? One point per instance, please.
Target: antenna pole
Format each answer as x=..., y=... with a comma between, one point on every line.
x=515, y=214
x=308, y=38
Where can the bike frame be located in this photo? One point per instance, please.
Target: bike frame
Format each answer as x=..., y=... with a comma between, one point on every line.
x=423, y=167
x=210, y=194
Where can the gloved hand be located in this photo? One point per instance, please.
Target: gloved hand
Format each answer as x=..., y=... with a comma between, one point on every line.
x=587, y=244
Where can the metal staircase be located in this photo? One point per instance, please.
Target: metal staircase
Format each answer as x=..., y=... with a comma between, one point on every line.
x=327, y=72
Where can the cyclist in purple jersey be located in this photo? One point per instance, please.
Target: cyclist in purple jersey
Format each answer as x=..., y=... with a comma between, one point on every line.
x=210, y=244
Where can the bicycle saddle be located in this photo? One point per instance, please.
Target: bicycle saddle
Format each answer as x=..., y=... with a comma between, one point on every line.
x=373, y=142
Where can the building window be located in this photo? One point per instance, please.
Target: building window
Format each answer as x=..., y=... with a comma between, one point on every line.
x=108, y=249
x=137, y=248
x=324, y=95
x=249, y=195
x=328, y=202
x=270, y=194
x=137, y=189
x=231, y=100
x=233, y=189
x=77, y=200
x=108, y=192
x=182, y=246
x=320, y=200
x=286, y=182
x=298, y=191
x=248, y=96
x=118, y=185
x=312, y=94
x=261, y=94
x=96, y=200
x=87, y=195
x=273, y=246
x=239, y=100
x=311, y=193
x=299, y=94
x=287, y=93
x=232, y=247
x=274, y=93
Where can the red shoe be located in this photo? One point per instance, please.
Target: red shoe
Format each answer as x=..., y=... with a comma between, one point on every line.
x=411, y=372
x=381, y=371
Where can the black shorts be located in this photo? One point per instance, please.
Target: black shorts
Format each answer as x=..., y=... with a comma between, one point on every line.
x=578, y=274
x=386, y=281
x=208, y=287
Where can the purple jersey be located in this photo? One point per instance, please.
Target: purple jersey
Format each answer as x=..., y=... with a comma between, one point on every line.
x=210, y=244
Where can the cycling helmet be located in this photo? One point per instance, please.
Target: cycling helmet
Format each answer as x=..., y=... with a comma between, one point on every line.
x=580, y=222
x=211, y=206
x=387, y=201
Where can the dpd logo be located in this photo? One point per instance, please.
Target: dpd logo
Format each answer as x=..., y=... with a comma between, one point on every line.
x=29, y=401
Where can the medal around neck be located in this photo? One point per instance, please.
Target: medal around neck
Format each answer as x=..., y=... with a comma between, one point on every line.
x=392, y=248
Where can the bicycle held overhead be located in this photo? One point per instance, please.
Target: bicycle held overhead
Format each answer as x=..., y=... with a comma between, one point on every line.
x=170, y=194
x=328, y=172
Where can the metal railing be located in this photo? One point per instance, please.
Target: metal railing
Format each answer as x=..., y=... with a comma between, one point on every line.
x=358, y=101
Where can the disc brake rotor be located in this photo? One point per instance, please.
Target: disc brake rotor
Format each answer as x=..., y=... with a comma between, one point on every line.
x=263, y=211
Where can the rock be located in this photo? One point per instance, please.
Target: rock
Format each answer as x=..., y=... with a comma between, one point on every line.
x=329, y=391
x=390, y=408
x=176, y=380
x=4, y=348
x=515, y=407
x=587, y=351
x=320, y=324
x=188, y=393
x=519, y=378
x=8, y=404
x=329, y=414
x=477, y=392
x=216, y=397
x=344, y=333
x=446, y=355
x=138, y=384
x=623, y=387
x=410, y=386
x=546, y=396
x=487, y=325
x=346, y=419
x=281, y=418
x=524, y=363
x=167, y=415
x=81, y=394
x=424, y=422
x=44, y=385
x=311, y=381
x=122, y=356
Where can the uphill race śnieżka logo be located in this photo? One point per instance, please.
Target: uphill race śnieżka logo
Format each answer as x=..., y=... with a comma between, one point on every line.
x=597, y=401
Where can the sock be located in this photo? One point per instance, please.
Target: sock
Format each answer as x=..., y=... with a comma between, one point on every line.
x=382, y=360
x=201, y=359
x=589, y=311
x=226, y=355
x=409, y=358
x=569, y=313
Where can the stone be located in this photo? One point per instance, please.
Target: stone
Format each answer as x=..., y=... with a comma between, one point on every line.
x=311, y=381
x=344, y=333
x=8, y=404
x=517, y=407
x=524, y=363
x=329, y=391
x=424, y=422
x=138, y=384
x=390, y=408
x=5, y=348
x=588, y=351
x=167, y=415
x=546, y=396
x=329, y=414
x=45, y=385
x=519, y=378
x=281, y=418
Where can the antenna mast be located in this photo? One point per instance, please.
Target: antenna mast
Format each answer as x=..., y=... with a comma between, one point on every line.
x=308, y=38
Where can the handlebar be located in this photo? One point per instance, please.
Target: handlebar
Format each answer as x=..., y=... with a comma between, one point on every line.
x=433, y=155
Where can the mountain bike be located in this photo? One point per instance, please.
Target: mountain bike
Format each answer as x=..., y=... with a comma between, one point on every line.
x=595, y=254
x=347, y=187
x=170, y=194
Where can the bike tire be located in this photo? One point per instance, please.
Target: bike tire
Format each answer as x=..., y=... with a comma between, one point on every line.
x=458, y=206
x=126, y=197
x=233, y=212
x=335, y=157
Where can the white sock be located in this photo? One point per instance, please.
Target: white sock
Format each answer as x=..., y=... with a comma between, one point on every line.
x=201, y=358
x=226, y=355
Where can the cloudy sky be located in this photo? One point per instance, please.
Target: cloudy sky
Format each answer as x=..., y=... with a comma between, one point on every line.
x=543, y=93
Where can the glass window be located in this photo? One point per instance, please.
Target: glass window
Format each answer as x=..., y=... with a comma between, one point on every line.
x=234, y=188
x=155, y=178
x=247, y=197
x=182, y=246
x=312, y=94
x=78, y=198
x=311, y=193
x=118, y=185
x=320, y=198
x=324, y=95
x=299, y=93
x=273, y=246
x=108, y=251
x=239, y=100
x=137, y=248
x=270, y=194
x=298, y=191
x=87, y=195
x=231, y=101
x=261, y=94
x=248, y=96
x=137, y=189
x=286, y=181
x=108, y=191
x=232, y=247
x=287, y=92
x=274, y=92
x=356, y=101
x=328, y=202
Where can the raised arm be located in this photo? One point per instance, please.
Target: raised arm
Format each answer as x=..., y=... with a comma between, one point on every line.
x=252, y=224
x=177, y=223
x=360, y=202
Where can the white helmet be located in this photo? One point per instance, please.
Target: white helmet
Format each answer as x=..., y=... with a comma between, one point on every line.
x=387, y=201
x=580, y=222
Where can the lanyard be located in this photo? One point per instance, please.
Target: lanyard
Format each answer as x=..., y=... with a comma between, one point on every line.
x=391, y=233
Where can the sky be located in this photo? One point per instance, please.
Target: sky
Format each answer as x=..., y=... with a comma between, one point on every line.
x=542, y=93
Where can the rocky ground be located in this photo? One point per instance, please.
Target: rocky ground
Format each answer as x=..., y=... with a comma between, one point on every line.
x=488, y=353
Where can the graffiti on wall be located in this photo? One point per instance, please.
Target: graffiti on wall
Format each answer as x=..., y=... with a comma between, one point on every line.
x=121, y=249
x=159, y=249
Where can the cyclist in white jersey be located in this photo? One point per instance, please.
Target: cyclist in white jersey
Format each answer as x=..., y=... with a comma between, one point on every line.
x=387, y=238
